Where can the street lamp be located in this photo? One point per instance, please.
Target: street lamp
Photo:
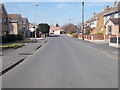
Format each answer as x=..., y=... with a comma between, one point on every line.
x=83, y=19
x=35, y=21
x=69, y=20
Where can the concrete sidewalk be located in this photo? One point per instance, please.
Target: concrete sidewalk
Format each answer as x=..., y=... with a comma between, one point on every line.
x=12, y=56
x=103, y=47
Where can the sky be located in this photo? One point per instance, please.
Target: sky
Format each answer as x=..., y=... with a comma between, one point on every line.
x=55, y=12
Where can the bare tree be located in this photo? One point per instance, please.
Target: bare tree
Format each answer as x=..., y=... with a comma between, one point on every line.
x=79, y=27
x=70, y=28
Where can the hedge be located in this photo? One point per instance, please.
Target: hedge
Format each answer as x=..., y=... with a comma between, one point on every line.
x=11, y=38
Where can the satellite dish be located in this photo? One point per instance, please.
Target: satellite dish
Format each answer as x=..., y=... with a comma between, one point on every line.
x=32, y=29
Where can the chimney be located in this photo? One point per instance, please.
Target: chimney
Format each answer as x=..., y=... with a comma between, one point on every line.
x=107, y=8
x=115, y=3
x=57, y=25
x=94, y=13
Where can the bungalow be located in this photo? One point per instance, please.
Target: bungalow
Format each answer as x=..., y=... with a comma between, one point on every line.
x=15, y=24
x=4, y=21
x=26, y=27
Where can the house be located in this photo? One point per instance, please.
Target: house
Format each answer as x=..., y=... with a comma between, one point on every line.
x=16, y=24
x=4, y=20
x=113, y=26
x=26, y=27
x=31, y=26
x=96, y=24
x=111, y=20
x=113, y=13
x=56, y=30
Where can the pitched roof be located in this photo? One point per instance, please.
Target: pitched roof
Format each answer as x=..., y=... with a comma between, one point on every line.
x=14, y=17
x=98, y=15
x=115, y=21
x=114, y=9
x=2, y=7
x=24, y=20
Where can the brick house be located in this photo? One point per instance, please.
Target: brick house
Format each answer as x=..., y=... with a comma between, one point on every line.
x=4, y=20
x=113, y=26
x=111, y=20
x=113, y=13
x=26, y=27
x=96, y=23
x=15, y=24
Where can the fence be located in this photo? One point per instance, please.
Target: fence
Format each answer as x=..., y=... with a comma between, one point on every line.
x=96, y=37
x=114, y=41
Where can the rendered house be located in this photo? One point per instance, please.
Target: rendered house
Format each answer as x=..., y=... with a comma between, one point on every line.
x=15, y=24
x=4, y=20
x=56, y=30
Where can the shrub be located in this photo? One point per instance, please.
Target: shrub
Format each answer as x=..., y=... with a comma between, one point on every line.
x=99, y=33
x=19, y=37
x=11, y=38
x=4, y=39
x=75, y=35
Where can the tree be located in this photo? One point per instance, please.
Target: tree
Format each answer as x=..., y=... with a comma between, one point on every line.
x=70, y=28
x=79, y=27
x=44, y=28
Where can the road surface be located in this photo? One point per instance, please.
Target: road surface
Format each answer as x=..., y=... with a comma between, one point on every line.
x=64, y=63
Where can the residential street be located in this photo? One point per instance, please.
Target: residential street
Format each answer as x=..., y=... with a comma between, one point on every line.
x=65, y=62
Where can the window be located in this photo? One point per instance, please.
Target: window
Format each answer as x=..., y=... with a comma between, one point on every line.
x=112, y=16
x=5, y=21
x=109, y=29
x=118, y=14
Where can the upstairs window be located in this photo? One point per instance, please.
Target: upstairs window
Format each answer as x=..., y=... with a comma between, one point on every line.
x=118, y=14
x=5, y=21
x=112, y=16
x=109, y=29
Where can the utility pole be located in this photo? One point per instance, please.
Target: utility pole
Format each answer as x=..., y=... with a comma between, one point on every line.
x=35, y=20
x=83, y=19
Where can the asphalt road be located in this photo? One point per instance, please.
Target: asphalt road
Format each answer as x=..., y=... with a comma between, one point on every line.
x=64, y=63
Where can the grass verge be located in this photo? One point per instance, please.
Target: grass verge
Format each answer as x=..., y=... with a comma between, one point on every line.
x=29, y=41
x=14, y=46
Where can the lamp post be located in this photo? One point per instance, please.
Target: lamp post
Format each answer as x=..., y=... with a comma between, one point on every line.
x=69, y=21
x=35, y=20
x=83, y=20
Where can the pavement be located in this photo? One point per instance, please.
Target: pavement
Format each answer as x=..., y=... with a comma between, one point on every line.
x=65, y=62
x=12, y=56
x=103, y=47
